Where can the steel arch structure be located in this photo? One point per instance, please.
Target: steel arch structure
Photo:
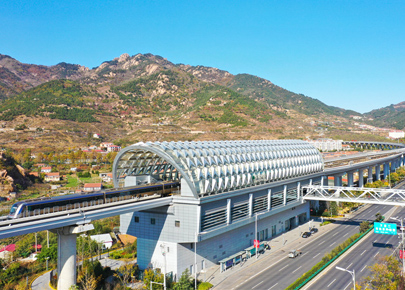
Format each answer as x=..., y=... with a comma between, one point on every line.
x=217, y=166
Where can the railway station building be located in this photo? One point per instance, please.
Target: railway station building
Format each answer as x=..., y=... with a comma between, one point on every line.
x=224, y=188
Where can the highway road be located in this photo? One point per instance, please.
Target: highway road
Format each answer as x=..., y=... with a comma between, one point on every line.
x=360, y=259
x=286, y=270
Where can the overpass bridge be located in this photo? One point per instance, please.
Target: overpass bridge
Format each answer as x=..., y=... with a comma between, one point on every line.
x=225, y=185
x=374, y=145
x=80, y=216
x=385, y=196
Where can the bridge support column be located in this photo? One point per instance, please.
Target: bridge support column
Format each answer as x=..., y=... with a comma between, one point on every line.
x=378, y=172
x=361, y=177
x=386, y=170
x=370, y=175
x=67, y=254
x=393, y=166
x=324, y=181
x=350, y=180
x=66, y=259
x=337, y=180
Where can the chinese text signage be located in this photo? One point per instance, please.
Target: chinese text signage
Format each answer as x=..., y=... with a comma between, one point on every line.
x=385, y=228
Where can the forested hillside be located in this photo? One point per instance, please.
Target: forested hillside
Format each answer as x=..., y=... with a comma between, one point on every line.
x=146, y=97
x=391, y=116
x=61, y=99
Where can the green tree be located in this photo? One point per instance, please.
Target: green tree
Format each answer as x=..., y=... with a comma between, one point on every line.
x=185, y=282
x=333, y=208
x=125, y=272
x=385, y=275
x=364, y=226
x=24, y=246
x=51, y=252
x=154, y=276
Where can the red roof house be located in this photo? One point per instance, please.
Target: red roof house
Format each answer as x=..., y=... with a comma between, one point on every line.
x=92, y=186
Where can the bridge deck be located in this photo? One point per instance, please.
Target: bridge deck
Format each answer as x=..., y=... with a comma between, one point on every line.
x=388, y=196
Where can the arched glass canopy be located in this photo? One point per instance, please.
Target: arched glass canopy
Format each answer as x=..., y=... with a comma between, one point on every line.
x=216, y=166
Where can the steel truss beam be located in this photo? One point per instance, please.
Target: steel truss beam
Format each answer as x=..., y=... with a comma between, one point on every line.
x=354, y=194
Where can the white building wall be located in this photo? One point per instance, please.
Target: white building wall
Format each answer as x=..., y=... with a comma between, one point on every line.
x=396, y=134
x=327, y=144
x=211, y=249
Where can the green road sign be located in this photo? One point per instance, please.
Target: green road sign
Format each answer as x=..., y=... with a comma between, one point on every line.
x=385, y=228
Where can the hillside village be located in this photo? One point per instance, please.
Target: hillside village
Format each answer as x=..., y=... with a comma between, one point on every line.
x=61, y=130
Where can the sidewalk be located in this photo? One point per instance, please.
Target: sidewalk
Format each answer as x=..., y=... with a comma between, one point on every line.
x=280, y=246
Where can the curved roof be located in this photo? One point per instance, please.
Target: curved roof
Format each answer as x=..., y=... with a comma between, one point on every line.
x=217, y=166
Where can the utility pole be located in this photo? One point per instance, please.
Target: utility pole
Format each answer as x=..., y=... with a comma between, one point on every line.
x=351, y=273
x=256, y=236
x=163, y=250
x=403, y=252
x=36, y=243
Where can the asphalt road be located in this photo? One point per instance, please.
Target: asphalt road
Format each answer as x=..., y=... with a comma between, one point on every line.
x=286, y=270
x=359, y=260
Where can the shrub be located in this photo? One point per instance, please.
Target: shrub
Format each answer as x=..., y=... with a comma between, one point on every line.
x=204, y=286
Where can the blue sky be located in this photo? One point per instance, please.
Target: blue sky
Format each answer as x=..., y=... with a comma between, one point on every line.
x=349, y=54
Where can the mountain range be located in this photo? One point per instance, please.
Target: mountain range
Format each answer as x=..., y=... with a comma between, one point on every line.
x=146, y=97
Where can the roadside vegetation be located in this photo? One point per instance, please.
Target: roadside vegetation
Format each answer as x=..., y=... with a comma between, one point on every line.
x=364, y=228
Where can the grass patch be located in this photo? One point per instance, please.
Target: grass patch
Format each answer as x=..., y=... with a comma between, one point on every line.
x=72, y=181
x=327, y=222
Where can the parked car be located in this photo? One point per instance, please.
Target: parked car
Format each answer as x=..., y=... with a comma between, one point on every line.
x=314, y=230
x=306, y=235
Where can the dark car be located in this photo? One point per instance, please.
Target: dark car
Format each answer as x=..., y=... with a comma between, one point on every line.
x=306, y=235
x=314, y=230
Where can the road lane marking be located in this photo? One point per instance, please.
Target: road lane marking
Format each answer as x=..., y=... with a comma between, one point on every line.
x=273, y=286
x=304, y=254
x=257, y=285
x=335, y=234
x=283, y=268
x=363, y=268
x=376, y=254
x=316, y=255
x=347, y=285
x=387, y=242
x=375, y=241
x=322, y=243
x=345, y=234
x=363, y=252
x=332, y=244
x=271, y=265
x=349, y=265
x=331, y=283
x=296, y=269
x=346, y=226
